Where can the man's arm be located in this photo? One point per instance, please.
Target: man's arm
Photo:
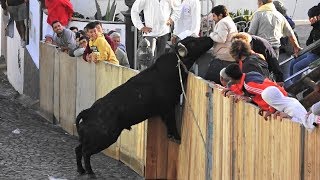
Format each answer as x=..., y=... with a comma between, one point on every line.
x=175, y=10
x=137, y=7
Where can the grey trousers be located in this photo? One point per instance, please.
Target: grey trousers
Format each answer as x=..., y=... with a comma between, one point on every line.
x=159, y=43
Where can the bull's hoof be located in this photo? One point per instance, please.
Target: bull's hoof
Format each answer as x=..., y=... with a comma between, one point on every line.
x=175, y=139
x=81, y=171
x=92, y=176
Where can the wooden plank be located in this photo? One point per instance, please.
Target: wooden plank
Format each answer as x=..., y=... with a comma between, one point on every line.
x=46, y=69
x=68, y=79
x=86, y=84
x=217, y=135
x=56, y=88
x=157, y=150
x=173, y=154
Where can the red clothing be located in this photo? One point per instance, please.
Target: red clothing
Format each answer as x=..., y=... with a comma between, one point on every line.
x=255, y=88
x=88, y=50
x=61, y=10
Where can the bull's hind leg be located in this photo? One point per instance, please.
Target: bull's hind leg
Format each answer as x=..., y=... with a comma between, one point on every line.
x=87, y=165
x=78, y=151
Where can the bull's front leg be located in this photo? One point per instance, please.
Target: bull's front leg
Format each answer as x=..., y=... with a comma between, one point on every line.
x=78, y=151
x=170, y=120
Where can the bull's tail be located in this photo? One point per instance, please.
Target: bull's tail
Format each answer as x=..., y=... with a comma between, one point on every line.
x=80, y=116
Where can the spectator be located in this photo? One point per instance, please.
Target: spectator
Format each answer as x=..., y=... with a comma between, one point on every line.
x=221, y=35
x=247, y=59
x=100, y=48
x=83, y=43
x=271, y=25
x=74, y=29
x=262, y=46
x=303, y=61
x=289, y=107
x=190, y=19
x=18, y=12
x=98, y=26
x=249, y=86
x=115, y=36
x=63, y=38
x=61, y=10
x=120, y=54
x=158, y=16
x=224, y=78
x=315, y=109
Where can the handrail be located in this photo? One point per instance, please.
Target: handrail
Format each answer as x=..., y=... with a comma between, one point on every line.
x=303, y=51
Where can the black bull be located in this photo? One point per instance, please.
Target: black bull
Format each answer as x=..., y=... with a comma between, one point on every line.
x=152, y=92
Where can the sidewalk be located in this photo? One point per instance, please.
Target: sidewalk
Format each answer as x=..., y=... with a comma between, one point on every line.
x=33, y=148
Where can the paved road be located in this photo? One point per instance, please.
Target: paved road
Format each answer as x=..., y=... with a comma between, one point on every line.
x=32, y=148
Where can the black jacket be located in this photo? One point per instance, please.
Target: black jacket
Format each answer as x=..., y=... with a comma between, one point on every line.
x=254, y=63
x=314, y=36
x=262, y=46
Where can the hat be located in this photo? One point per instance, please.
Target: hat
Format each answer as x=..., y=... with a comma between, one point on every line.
x=233, y=71
x=314, y=11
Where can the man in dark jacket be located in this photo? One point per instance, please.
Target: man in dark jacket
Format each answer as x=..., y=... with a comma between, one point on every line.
x=262, y=46
x=247, y=59
x=18, y=12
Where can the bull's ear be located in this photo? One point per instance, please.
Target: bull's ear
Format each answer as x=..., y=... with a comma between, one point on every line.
x=182, y=50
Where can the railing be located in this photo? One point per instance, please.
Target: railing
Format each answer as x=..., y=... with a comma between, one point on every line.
x=237, y=143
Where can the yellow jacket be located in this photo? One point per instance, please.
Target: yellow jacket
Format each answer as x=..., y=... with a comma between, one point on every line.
x=105, y=53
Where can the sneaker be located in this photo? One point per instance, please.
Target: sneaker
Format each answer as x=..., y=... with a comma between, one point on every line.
x=23, y=43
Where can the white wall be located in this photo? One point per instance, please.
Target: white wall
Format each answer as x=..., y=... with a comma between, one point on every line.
x=15, y=62
x=34, y=31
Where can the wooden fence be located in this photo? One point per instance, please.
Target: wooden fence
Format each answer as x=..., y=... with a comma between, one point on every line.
x=221, y=139
x=69, y=85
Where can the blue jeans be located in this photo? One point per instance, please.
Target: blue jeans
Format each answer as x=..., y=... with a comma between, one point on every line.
x=300, y=63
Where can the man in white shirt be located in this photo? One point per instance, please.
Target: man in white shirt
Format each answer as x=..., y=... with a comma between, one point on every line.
x=159, y=15
x=189, y=21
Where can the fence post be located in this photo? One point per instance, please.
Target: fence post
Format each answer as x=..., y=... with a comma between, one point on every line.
x=209, y=135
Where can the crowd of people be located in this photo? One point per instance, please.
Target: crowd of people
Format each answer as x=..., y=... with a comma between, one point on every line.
x=244, y=64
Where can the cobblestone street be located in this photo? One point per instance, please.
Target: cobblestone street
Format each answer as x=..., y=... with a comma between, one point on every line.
x=33, y=148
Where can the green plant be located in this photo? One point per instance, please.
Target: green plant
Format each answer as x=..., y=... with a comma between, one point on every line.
x=110, y=12
x=242, y=19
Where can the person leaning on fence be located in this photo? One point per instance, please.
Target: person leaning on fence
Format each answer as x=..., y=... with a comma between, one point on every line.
x=61, y=10
x=99, y=28
x=303, y=61
x=158, y=16
x=63, y=38
x=120, y=54
x=247, y=59
x=222, y=34
x=271, y=25
x=83, y=43
x=262, y=46
x=288, y=107
x=249, y=86
x=18, y=12
x=100, y=48
x=116, y=37
x=190, y=19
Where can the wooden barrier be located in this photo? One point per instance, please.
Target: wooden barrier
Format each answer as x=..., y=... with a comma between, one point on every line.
x=221, y=139
x=47, y=68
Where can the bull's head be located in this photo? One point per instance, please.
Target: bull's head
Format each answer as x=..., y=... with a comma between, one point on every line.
x=191, y=48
